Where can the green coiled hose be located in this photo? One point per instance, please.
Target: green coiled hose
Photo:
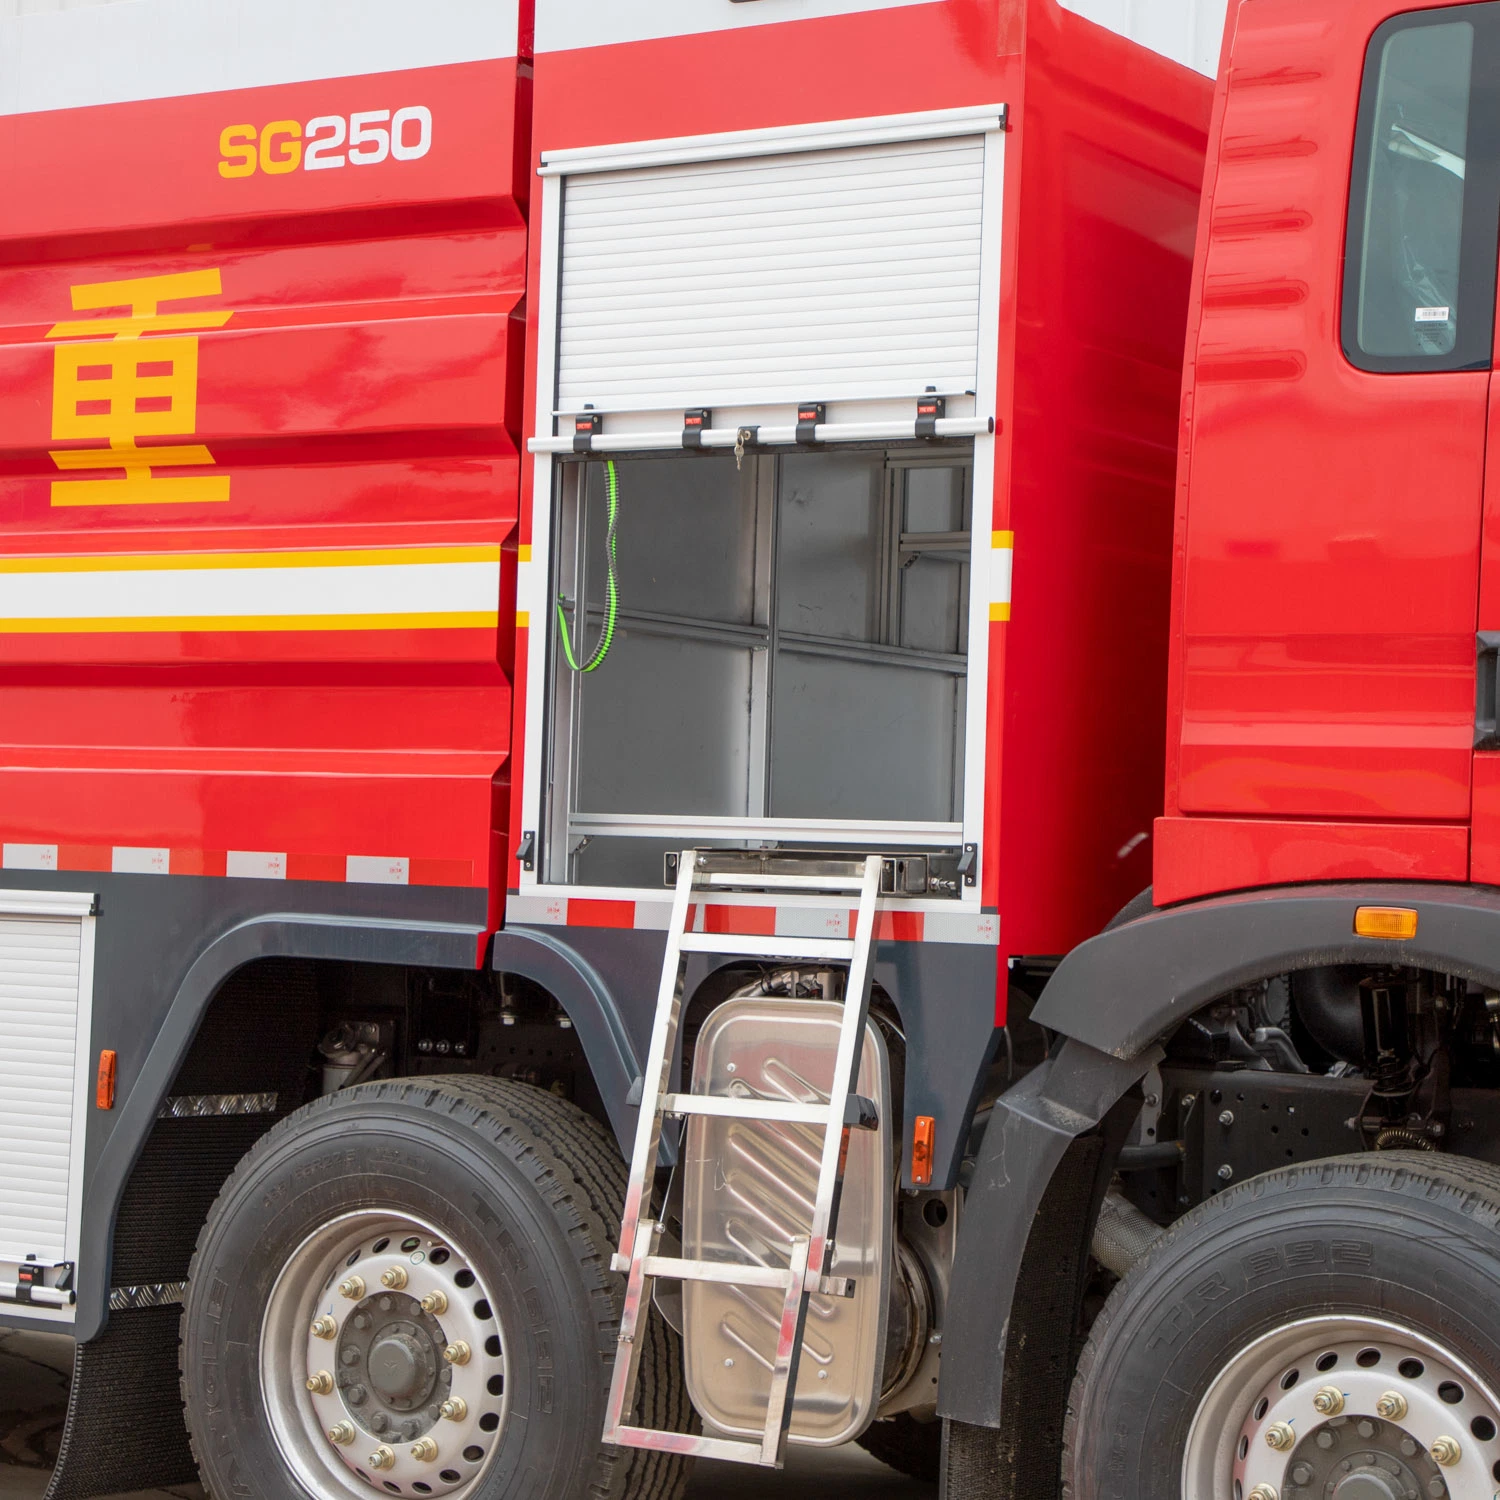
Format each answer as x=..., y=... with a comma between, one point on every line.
x=611, y=586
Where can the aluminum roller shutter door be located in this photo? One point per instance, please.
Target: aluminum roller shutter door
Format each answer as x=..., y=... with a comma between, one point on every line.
x=40, y=967
x=822, y=275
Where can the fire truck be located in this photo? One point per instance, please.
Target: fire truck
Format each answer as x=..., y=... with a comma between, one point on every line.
x=749, y=723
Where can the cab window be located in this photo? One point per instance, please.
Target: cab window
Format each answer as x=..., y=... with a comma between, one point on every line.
x=1424, y=209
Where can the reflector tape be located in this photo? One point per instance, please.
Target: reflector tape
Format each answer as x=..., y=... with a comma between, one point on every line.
x=393, y=588
x=1002, y=551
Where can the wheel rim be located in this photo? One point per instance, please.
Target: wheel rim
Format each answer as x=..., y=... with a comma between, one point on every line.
x=382, y=1362
x=1344, y=1408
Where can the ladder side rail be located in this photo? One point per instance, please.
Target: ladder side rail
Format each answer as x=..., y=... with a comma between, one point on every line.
x=637, y=1304
x=845, y=1076
x=788, y=1354
x=656, y=1078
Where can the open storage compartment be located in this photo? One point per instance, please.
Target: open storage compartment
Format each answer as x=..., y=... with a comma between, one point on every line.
x=788, y=658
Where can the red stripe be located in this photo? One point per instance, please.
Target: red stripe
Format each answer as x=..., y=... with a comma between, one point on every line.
x=84, y=856
x=893, y=926
x=441, y=872
x=601, y=913
x=750, y=921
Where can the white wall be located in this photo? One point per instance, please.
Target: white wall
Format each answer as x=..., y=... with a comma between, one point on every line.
x=59, y=54
x=1188, y=31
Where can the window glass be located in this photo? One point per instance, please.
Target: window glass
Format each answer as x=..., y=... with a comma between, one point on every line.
x=1422, y=228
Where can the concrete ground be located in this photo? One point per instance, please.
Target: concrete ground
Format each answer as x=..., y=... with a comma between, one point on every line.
x=33, y=1392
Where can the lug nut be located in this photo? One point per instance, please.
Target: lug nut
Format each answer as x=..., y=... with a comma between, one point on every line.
x=457, y=1353
x=425, y=1451
x=455, y=1408
x=1445, y=1450
x=435, y=1303
x=320, y=1383
x=382, y=1458
x=393, y=1277
x=352, y=1287
x=325, y=1327
x=1391, y=1406
x=1263, y=1492
x=1328, y=1400
x=341, y=1433
x=1280, y=1437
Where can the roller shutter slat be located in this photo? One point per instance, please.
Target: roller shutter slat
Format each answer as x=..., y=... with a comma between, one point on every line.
x=841, y=274
x=39, y=1001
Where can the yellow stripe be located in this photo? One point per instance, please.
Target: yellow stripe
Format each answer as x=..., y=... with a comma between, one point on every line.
x=199, y=561
x=999, y=611
x=523, y=619
x=127, y=624
x=523, y=552
x=1002, y=539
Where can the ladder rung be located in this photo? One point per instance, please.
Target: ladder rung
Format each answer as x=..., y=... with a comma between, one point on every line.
x=688, y=1444
x=753, y=882
x=728, y=1107
x=725, y=1272
x=748, y=945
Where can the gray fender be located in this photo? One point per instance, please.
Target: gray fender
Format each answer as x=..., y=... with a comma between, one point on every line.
x=582, y=992
x=1047, y=1149
x=273, y=935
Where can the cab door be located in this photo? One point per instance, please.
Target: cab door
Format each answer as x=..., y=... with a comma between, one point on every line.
x=1341, y=403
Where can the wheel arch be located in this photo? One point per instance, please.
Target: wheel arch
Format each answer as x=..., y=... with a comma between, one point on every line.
x=272, y=936
x=1050, y=1144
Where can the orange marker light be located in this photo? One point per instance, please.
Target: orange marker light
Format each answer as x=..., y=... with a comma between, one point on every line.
x=104, y=1094
x=1385, y=922
x=923, y=1133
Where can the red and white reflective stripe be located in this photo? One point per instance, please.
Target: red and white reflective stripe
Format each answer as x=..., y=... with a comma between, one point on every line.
x=804, y=918
x=241, y=864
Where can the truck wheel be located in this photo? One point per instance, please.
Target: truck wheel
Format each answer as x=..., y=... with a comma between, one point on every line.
x=906, y=1445
x=404, y=1289
x=1325, y=1330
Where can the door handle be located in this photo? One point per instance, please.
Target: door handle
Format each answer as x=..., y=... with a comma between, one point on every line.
x=1487, y=690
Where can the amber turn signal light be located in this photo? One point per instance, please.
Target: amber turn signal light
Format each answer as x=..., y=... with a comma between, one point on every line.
x=1385, y=922
x=104, y=1093
x=923, y=1134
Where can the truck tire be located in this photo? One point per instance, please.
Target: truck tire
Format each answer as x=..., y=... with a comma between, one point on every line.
x=1322, y=1328
x=906, y=1445
x=455, y=1234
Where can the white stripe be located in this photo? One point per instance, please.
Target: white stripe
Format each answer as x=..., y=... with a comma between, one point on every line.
x=812, y=921
x=1000, y=573
x=565, y=24
x=30, y=856
x=377, y=869
x=252, y=865
x=961, y=927
x=113, y=53
x=376, y=589
x=130, y=861
x=538, y=911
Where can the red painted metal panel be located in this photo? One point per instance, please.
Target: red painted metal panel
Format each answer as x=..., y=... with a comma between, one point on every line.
x=1103, y=163
x=1198, y=856
x=1328, y=552
x=348, y=387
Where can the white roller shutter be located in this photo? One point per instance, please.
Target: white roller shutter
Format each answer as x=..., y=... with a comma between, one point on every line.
x=828, y=275
x=43, y=1015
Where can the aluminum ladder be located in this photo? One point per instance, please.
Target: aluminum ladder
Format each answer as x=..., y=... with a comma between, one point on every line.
x=812, y=1253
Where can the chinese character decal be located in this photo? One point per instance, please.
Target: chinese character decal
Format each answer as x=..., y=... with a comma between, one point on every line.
x=140, y=383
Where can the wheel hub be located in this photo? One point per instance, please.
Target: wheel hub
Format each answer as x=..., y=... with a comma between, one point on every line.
x=390, y=1364
x=1362, y=1458
x=383, y=1363
x=1344, y=1408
